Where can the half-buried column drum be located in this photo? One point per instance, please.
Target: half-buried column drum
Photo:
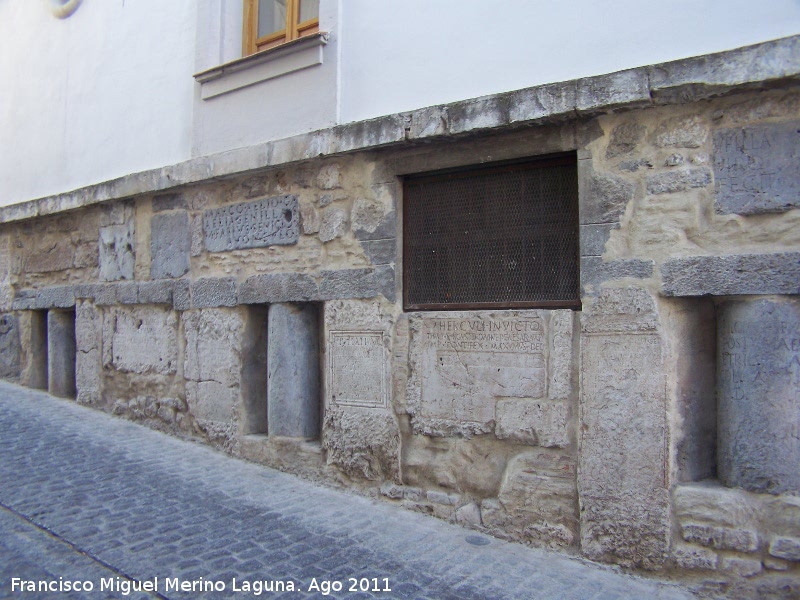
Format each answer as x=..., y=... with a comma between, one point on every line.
x=758, y=394
x=293, y=372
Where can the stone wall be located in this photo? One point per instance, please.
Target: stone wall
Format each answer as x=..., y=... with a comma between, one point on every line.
x=656, y=428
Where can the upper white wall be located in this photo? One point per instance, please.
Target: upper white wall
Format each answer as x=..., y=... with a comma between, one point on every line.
x=100, y=94
x=400, y=55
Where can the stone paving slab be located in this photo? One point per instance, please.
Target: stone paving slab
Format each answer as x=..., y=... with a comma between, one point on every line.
x=91, y=497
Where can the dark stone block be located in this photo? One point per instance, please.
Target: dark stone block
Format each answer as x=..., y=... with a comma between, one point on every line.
x=594, y=271
x=278, y=287
x=678, y=181
x=156, y=292
x=62, y=296
x=24, y=300
x=757, y=169
x=164, y=202
x=105, y=294
x=387, y=228
x=170, y=243
x=594, y=238
x=181, y=295
x=732, y=275
x=213, y=292
x=265, y=222
x=380, y=252
x=604, y=199
x=358, y=283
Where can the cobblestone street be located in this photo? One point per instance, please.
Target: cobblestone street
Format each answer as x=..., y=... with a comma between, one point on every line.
x=88, y=497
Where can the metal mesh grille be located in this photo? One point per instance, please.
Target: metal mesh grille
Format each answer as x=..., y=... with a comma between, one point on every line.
x=502, y=236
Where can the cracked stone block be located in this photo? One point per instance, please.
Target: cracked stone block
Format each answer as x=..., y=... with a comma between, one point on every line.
x=561, y=330
x=170, y=245
x=692, y=557
x=333, y=223
x=721, y=538
x=624, y=139
x=328, y=177
x=603, y=198
x=681, y=132
x=116, y=252
x=211, y=401
x=678, y=181
x=786, y=548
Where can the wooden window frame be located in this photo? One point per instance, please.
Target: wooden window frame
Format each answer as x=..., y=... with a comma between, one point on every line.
x=292, y=30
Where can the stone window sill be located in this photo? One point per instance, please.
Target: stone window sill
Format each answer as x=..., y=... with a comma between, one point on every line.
x=262, y=66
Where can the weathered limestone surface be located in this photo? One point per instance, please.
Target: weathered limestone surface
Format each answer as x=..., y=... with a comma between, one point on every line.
x=170, y=244
x=116, y=251
x=61, y=353
x=88, y=360
x=759, y=394
x=360, y=431
x=757, y=169
x=293, y=387
x=624, y=493
x=537, y=501
x=141, y=340
x=10, y=348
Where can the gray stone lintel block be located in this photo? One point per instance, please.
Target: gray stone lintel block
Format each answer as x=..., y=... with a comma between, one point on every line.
x=24, y=300
x=594, y=238
x=367, y=134
x=105, y=294
x=594, y=271
x=62, y=296
x=278, y=287
x=487, y=112
x=181, y=295
x=551, y=101
x=128, y=292
x=731, y=275
x=156, y=292
x=213, y=292
x=357, y=283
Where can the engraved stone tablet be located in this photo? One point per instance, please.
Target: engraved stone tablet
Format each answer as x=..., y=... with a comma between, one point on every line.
x=357, y=368
x=757, y=169
x=265, y=222
x=465, y=363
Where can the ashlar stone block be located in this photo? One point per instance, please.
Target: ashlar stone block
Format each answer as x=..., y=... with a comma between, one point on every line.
x=142, y=340
x=61, y=353
x=538, y=423
x=293, y=385
x=758, y=390
x=116, y=252
x=170, y=244
x=10, y=347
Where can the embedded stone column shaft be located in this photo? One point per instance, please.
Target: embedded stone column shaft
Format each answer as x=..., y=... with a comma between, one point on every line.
x=61, y=353
x=758, y=388
x=293, y=386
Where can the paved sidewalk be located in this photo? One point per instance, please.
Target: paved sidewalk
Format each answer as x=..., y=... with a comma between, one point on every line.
x=85, y=496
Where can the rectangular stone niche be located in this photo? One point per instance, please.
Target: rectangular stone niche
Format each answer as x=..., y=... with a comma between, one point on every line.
x=61, y=353
x=254, y=371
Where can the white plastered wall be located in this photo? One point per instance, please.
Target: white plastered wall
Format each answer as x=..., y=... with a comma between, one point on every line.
x=97, y=95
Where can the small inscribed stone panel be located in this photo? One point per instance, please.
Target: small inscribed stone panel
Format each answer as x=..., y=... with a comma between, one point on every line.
x=358, y=368
x=757, y=169
x=469, y=362
x=265, y=222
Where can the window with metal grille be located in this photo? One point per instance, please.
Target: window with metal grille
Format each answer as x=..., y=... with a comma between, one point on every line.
x=502, y=236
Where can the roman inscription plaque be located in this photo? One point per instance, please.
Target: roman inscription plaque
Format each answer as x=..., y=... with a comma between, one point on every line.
x=265, y=222
x=358, y=368
x=757, y=169
x=467, y=363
